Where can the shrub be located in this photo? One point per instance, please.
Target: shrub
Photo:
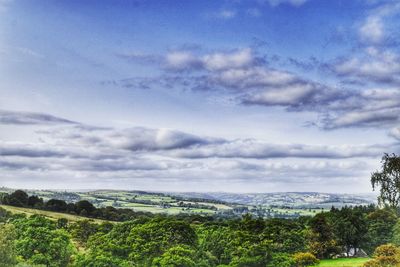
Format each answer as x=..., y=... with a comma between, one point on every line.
x=388, y=250
x=303, y=259
x=281, y=260
x=385, y=256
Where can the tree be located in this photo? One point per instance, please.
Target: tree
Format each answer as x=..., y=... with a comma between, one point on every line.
x=154, y=238
x=380, y=228
x=19, y=198
x=39, y=242
x=220, y=241
x=388, y=179
x=288, y=236
x=35, y=201
x=350, y=226
x=84, y=207
x=252, y=254
x=177, y=256
x=7, y=247
x=322, y=241
x=82, y=230
x=56, y=205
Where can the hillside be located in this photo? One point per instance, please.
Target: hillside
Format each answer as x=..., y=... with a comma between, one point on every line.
x=267, y=205
x=48, y=214
x=289, y=199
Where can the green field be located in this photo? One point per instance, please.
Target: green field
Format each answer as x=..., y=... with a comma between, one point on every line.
x=163, y=203
x=351, y=262
x=49, y=214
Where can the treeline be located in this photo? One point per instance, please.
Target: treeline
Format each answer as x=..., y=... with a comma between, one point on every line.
x=157, y=240
x=181, y=203
x=84, y=208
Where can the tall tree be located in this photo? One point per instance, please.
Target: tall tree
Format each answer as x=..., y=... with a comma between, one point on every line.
x=380, y=228
x=388, y=179
x=350, y=226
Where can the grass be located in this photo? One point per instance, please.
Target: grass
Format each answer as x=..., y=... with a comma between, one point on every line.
x=344, y=262
x=49, y=214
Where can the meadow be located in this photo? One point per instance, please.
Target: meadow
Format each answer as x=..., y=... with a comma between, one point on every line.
x=174, y=204
x=344, y=262
x=54, y=216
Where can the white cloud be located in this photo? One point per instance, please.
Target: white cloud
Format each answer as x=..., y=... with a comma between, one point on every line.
x=29, y=118
x=372, y=30
x=220, y=61
x=290, y=95
x=259, y=150
x=181, y=60
x=374, y=65
x=186, y=60
x=79, y=155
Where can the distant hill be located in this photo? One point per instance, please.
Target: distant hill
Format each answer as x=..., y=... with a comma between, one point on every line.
x=289, y=199
x=287, y=204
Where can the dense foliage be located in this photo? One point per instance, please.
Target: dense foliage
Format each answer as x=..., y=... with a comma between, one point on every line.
x=159, y=240
x=83, y=208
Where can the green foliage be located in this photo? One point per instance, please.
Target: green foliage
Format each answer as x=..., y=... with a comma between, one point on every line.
x=387, y=255
x=39, y=242
x=7, y=247
x=84, y=208
x=282, y=260
x=35, y=201
x=287, y=236
x=396, y=233
x=19, y=199
x=350, y=227
x=177, y=256
x=322, y=240
x=154, y=238
x=82, y=230
x=219, y=241
x=4, y=215
x=191, y=240
x=380, y=228
x=252, y=254
x=303, y=259
x=56, y=205
x=62, y=223
x=388, y=179
x=102, y=260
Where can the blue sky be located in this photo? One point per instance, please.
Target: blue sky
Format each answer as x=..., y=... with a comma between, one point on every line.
x=241, y=96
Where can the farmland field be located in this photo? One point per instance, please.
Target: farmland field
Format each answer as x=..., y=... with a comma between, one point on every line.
x=48, y=214
x=291, y=205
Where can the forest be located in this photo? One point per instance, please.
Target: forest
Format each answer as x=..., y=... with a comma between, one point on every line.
x=127, y=238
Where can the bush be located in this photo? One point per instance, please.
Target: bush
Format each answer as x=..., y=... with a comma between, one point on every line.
x=385, y=256
x=303, y=259
x=388, y=250
x=282, y=260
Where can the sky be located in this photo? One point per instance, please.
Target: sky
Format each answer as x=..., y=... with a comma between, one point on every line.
x=218, y=95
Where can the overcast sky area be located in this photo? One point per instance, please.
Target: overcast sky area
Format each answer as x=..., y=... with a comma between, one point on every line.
x=237, y=96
